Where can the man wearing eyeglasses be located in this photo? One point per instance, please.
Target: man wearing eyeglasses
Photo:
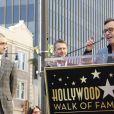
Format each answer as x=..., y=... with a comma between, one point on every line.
x=8, y=79
x=109, y=35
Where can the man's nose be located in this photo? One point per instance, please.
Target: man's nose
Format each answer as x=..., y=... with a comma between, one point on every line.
x=107, y=34
x=62, y=49
x=5, y=47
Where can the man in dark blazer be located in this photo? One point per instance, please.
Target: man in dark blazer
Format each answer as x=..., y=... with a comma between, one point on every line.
x=8, y=79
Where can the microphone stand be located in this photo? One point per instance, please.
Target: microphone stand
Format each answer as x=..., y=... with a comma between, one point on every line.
x=84, y=46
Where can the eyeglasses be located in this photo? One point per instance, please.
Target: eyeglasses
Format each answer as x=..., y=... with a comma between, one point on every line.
x=3, y=43
x=110, y=29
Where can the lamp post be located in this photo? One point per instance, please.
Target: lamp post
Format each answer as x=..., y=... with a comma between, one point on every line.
x=43, y=47
x=44, y=40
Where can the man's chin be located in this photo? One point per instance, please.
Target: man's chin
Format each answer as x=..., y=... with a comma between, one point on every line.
x=62, y=56
x=1, y=53
x=110, y=41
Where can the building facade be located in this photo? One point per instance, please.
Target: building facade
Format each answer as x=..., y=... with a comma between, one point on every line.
x=11, y=11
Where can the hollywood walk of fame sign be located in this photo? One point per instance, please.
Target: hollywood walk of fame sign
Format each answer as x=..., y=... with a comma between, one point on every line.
x=80, y=89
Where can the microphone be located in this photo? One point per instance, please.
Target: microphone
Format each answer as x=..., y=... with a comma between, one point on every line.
x=85, y=46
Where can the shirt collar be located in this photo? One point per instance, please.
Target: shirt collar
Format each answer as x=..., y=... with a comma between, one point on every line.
x=109, y=48
x=0, y=56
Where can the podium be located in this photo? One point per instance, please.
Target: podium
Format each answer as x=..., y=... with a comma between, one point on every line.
x=83, y=87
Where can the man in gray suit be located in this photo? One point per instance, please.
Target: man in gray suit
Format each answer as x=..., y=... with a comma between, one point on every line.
x=8, y=79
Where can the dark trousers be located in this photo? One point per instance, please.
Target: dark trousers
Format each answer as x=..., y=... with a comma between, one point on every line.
x=1, y=110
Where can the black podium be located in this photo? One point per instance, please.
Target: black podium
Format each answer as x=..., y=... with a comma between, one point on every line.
x=80, y=89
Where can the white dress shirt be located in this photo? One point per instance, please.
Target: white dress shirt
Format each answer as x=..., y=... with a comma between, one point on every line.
x=62, y=63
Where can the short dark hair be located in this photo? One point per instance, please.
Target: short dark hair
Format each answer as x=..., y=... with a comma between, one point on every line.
x=59, y=41
x=31, y=109
x=108, y=20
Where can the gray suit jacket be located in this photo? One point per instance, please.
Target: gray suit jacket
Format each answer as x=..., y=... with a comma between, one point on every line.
x=8, y=83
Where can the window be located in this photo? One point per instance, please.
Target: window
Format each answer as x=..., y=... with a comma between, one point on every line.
x=16, y=11
x=20, y=92
x=1, y=12
x=22, y=61
x=23, y=9
x=8, y=13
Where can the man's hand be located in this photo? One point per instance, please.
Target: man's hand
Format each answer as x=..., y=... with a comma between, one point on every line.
x=89, y=44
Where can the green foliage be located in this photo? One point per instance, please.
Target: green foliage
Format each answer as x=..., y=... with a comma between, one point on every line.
x=50, y=50
x=33, y=61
